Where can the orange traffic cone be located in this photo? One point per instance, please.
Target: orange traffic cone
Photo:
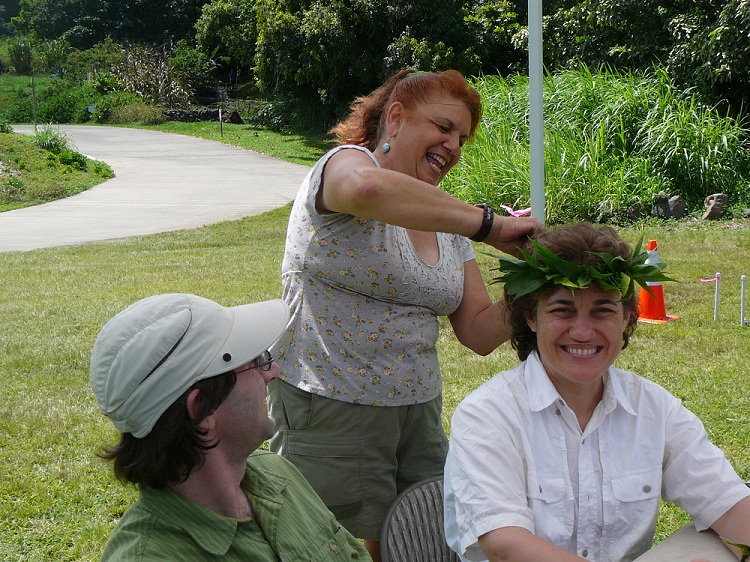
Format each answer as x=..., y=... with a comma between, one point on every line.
x=651, y=309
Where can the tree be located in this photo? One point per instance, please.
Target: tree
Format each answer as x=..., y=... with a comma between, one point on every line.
x=8, y=10
x=226, y=32
x=323, y=53
x=498, y=35
x=86, y=22
x=711, y=52
x=625, y=34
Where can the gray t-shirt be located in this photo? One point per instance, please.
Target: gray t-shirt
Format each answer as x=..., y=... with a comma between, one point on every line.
x=364, y=306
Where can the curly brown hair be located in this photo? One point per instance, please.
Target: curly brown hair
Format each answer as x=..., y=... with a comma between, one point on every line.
x=577, y=244
x=364, y=124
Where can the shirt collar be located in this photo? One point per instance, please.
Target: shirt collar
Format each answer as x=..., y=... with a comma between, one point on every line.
x=542, y=393
x=214, y=533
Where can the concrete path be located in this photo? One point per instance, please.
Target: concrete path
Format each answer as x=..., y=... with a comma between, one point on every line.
x=162, y=182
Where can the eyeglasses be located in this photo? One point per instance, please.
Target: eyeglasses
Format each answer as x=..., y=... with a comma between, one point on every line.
x=262, y=362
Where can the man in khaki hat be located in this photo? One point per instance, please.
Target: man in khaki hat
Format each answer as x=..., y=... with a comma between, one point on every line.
x=184, y=381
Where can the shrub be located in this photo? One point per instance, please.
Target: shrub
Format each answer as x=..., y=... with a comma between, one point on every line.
x=62, y=107
x=146, y=72
x=5, y=128
x=20, y=111
x=21, y=54
x=137, y=112
x=104, y=82
x=273, y=115
x=54, y=54
x=102, y=57
x=107, y=105
x=102, y=169
x=73, y=159
x=611, y=140
x=52, y=140
x=191, y=66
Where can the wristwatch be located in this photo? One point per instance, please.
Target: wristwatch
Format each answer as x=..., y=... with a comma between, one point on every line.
x=487, y=220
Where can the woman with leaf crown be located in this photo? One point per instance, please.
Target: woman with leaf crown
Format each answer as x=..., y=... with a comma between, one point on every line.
x=566, y=456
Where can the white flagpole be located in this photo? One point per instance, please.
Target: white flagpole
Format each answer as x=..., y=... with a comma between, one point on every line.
x=536, y=110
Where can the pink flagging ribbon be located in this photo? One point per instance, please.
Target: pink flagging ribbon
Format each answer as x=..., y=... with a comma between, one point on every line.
x=518, y=213
x=709, y=280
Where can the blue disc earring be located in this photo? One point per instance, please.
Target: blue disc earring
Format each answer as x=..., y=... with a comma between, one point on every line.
x=386, y=148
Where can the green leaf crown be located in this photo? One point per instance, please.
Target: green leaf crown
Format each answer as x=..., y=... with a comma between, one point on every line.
x=613, y=273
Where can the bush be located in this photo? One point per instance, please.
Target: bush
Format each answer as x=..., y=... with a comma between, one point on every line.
x=21, y=54
x=137, y=112
x=103, y=169
x=5, y=128
x=52, y=140
x=54, y=54
x=104, y=82
x=273, y=115
x=21, y=110
x=66, y=106
x=108, y=106
x=191, y=66
x=60, y=101
x=73, y=159
x=102, y=57
x=146, y=72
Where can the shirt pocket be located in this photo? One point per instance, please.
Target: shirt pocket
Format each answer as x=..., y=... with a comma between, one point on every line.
x=334, y=548
x=551, y=506
x=633, y=507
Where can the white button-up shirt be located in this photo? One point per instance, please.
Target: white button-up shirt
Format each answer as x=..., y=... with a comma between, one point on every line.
x=519, y=458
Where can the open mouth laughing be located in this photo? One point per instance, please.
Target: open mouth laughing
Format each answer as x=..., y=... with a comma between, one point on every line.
x=437, y=162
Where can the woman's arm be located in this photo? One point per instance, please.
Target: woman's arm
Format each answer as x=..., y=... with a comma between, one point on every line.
x=515, y=544
x=478, y=323
x=734, y=525
x=352, y=184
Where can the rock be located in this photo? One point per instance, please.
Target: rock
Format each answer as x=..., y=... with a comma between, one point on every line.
x=715, y=206
x=232, y=116
x=637, y=211
x=661, y=206
x=677, y=206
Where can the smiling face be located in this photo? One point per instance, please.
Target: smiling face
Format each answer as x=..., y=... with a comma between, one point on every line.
x=579, y=335
x=426, y=141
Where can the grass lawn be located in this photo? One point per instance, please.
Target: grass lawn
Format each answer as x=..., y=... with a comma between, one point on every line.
x=302, y=149
x=58, y=501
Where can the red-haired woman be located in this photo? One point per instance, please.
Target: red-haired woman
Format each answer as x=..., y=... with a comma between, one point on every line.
x=375, y=253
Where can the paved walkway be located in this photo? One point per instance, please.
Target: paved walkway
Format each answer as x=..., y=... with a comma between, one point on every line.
x=162, y=182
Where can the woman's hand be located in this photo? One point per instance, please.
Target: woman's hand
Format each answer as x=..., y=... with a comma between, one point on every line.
x=509, y=234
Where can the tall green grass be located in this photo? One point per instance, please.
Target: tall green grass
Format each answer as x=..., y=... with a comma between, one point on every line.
x=612, y=140
x=58, y=501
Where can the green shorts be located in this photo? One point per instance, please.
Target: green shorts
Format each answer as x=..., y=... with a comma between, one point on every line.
x=357, y=458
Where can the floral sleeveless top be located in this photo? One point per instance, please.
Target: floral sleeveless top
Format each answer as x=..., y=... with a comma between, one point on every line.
x=364, y=306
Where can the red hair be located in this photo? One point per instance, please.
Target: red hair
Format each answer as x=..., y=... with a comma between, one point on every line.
x=366, y=119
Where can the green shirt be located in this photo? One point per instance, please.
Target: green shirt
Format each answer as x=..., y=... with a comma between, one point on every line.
x=291, y=524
